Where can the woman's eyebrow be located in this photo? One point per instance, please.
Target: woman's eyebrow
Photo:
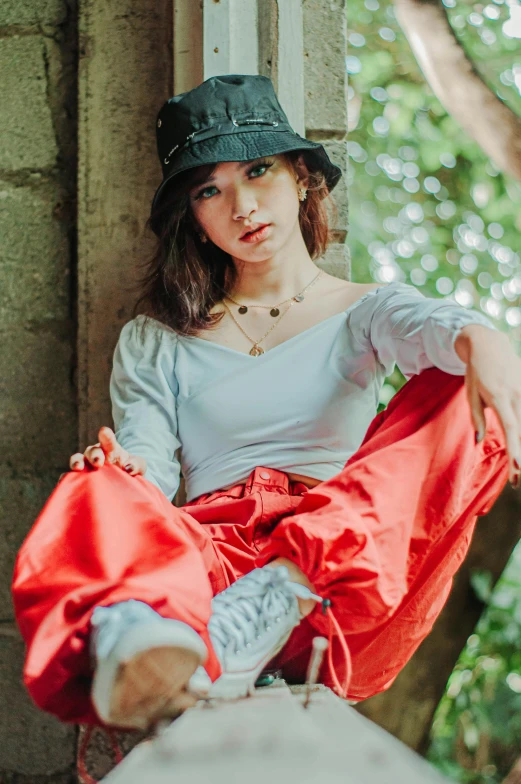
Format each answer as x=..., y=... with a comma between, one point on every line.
x=240, y=165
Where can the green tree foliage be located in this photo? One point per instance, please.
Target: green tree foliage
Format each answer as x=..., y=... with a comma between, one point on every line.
x=428, y=207
x=476, y=734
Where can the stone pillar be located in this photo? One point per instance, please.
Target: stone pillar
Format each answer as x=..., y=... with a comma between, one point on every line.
x=281, y=55
x=325, y=90
x=37, y=334
x=302, y=49
x=125, y=75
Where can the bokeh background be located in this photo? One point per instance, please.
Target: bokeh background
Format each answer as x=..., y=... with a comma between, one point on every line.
x=428, y=206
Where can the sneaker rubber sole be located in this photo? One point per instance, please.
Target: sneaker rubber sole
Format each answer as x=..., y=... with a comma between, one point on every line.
x=146, y=676
x=239, y=683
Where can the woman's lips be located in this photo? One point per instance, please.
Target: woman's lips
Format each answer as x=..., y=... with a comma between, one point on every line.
x=258, y=235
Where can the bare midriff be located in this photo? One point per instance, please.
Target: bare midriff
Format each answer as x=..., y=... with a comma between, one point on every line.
x=309, y=481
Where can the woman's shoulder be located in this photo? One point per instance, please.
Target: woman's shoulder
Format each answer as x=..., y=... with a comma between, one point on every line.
x=374, y=294
x=359, y=292
x=360, y=300
x=378, y=299
x=143, y=335
x=341, y=294
x=351, y=295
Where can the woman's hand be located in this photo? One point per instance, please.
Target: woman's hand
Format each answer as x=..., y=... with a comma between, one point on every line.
x=108, y=449
x=493, y=378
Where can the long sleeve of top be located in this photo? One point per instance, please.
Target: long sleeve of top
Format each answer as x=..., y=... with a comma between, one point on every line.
x=191, y=405
x=403, y=326
x=143, y=391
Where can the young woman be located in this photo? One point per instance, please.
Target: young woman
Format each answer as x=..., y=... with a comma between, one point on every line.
x=258, y=375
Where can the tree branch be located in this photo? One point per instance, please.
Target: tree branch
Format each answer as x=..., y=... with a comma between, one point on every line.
x=514, y=777
x=457, y=84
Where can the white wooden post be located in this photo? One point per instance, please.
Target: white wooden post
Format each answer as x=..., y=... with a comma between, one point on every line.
x=290, y=65
x=188, y=45
x=224, y=37
x=230, y=42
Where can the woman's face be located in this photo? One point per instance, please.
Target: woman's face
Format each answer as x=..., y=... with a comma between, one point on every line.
x=240, y=196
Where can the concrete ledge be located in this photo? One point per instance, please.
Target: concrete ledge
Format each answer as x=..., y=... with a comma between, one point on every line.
x=272, y=737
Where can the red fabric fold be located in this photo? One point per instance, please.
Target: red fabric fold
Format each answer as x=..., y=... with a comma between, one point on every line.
x=382, y=540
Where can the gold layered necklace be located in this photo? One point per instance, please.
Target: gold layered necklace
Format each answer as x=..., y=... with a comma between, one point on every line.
x=256, y=350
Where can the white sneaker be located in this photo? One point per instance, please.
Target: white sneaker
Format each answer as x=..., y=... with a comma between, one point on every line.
x=250, y=623
x=144, y=664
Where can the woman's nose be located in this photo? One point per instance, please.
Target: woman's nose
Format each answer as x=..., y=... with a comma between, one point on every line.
x=244, y=203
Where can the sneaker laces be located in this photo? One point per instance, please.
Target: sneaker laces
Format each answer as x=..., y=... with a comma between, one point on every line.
x=244, y=611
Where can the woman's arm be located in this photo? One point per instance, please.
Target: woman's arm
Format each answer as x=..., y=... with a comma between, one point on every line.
x=493, y=378
x=403, y=326
x=143, y=390
x=416, y=332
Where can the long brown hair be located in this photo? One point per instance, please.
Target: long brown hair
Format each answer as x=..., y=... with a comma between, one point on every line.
x=185, y=277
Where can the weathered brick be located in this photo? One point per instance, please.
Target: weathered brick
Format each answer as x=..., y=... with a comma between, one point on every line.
x=28, y=137
x=325, y=78
x=29, y=12
x=34, y=273
x=37, y=416
x=337, y=261
x=33, y=743
x=21, y=500
x=337, y=151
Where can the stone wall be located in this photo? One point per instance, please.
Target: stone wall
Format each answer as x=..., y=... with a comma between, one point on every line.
x=325, y=88
x=52, y=226
x=38, y=418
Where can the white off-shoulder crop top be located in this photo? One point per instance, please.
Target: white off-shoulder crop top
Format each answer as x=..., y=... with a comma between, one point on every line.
x=189, y=404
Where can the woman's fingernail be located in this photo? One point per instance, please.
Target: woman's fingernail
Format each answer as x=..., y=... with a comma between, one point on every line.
x=515, y=482
x=516, y=464
x=75, y=465
x=129, y=467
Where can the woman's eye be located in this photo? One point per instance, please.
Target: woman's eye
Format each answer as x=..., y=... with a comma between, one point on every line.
x=201, y=194
x=261, y=166
x=206, y=193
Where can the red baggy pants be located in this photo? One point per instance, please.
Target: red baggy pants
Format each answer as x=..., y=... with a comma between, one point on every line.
x=382, y=539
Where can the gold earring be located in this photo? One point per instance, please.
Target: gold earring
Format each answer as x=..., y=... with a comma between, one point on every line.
x=203, y=237
x=302, y=194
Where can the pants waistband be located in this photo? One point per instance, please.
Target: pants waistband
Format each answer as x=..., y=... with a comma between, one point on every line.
x=267, y=477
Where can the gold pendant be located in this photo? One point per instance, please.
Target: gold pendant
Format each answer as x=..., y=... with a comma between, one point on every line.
x=256, y=351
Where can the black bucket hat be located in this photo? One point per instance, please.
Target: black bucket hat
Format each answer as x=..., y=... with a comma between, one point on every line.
x=228, y=118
